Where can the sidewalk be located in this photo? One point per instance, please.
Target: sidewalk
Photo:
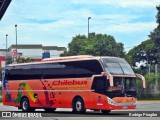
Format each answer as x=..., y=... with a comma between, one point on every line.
x=148, y=100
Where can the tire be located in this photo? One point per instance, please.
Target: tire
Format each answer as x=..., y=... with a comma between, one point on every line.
x=106, y=111
x=49, y=110
x=26, y=106
x=78, y=106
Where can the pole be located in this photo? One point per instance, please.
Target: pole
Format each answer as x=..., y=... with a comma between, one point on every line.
x=88, y=25
x=148, y=65
x=6, y=45
x=156, y=79
x=16, y=40
x=16, y=36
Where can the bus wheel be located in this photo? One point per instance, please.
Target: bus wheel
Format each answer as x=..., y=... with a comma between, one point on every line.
x=26, y=106
x=78, y=106
x=106, y=111
x=49, y=110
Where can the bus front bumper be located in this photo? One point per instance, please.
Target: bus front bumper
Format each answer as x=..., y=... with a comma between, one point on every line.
x=122, y=103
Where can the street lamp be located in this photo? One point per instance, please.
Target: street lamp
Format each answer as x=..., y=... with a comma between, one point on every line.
x=6, y=45
x=88, y=25
x=16, y=36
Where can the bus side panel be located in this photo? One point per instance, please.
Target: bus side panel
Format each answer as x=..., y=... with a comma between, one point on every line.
x=34, y=90
x=37, y=93
x=9, y=96
x=89, y=100
x=50, y=93
x=101, y=102
x=67, y=89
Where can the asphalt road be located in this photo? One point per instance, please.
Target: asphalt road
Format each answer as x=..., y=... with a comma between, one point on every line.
x=147, y=107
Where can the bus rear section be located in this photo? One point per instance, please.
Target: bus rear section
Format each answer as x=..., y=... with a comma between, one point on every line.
x=97, y=83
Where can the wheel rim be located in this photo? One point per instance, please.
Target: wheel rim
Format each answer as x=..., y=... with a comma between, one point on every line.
x=78, y=106
x=25, y=105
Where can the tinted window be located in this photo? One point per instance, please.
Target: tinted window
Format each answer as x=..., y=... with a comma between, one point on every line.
x=22, y=74
x=116, y=66
x=72, y=69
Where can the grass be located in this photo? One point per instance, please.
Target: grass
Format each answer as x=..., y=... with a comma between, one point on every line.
x=150, y=97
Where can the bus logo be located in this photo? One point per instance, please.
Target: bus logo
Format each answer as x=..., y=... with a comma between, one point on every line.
x=66, y=82
x=6, y=114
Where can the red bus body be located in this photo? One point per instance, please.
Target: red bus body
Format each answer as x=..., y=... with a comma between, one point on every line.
x=46, y=89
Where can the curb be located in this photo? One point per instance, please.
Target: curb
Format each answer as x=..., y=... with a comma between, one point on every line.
x=148, y=100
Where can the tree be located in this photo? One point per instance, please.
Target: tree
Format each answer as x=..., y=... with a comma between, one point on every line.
x=142, y=52
x=24, y=60
x=155, y=36
x=9, y=60
x=96, y=44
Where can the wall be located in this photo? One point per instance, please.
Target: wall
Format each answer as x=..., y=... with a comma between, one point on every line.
x=33, y=53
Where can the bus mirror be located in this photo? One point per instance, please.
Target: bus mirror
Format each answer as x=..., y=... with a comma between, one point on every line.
x=109, y=76
x=143, y=79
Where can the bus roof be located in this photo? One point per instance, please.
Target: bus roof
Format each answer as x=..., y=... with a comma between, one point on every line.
x=64, y=59
x=68, y=58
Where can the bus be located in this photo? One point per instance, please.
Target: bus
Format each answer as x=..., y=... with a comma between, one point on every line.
x=99, y=83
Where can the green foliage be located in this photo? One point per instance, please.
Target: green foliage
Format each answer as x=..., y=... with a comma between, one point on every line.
x=148, y=92
x=155, y=37
x=96, y=44
x=151, y=79
x=9, y=60
x=158, y=15
x=150, y=46
x=24, y=60
x=134, y=55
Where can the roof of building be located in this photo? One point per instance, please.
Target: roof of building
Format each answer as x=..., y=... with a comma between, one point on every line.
x=36, y=46
x=26, y=46
x=3, y=7
x=53, y=48
x=3, y=50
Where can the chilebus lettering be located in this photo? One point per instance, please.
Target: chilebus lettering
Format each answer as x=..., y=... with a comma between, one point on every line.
x=66, y=82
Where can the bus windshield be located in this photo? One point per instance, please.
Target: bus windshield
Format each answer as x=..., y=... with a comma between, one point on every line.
x=116, y=66
x=123, y=86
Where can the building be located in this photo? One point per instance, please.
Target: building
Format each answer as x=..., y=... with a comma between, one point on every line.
x=2, y=61
x=35, y=51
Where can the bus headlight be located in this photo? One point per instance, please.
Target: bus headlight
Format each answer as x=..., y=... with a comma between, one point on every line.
x=110, y=101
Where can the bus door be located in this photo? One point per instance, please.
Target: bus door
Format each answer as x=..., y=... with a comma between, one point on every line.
x=100, y=87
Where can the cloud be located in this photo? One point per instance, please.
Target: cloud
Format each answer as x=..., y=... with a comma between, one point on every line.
x=131, y=27
x=121, y=3
x=40, y=21
x=53, y=22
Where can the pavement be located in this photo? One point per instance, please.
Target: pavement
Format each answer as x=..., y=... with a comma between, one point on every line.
x=143, y=107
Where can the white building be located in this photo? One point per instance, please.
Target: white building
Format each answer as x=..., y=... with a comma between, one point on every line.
x=35, y=51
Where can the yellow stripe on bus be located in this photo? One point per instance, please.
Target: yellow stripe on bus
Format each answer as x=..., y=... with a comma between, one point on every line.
x=31, y=94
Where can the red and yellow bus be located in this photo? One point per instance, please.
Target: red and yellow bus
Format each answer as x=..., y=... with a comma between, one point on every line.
x=77, y=82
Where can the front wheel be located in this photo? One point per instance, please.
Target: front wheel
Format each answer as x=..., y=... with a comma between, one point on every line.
x=26, y=106
x=78, y=106
x=106, y=111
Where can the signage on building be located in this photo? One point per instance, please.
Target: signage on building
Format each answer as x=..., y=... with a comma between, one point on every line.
x=45, y=54
x=2, y=61
x=14, y=53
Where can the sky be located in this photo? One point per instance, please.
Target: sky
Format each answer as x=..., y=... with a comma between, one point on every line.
x=56, y=22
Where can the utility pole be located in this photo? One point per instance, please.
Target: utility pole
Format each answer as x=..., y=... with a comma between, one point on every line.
x=6, y=45
x=88, y=25
x=16, y=35
x=156, y=79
